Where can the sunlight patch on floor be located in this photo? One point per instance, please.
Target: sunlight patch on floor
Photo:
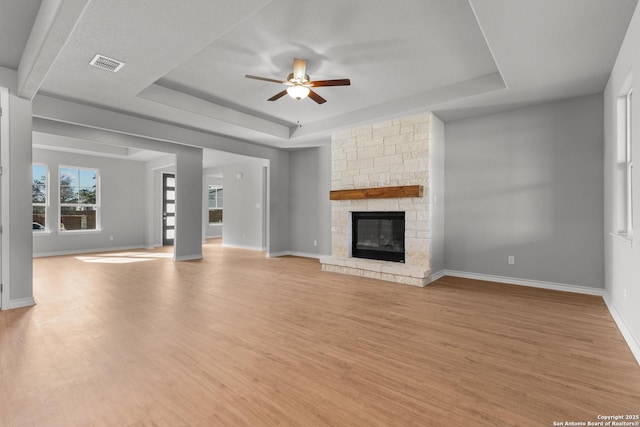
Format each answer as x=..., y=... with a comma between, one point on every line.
x=123, y=257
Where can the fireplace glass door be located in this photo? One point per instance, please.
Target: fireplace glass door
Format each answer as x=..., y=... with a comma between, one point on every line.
x=378, y=235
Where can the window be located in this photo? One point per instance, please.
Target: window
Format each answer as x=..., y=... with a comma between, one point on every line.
x=624, y=164
x=215, y=204
x=39, y=196
x=629, y=164
x=78, y=198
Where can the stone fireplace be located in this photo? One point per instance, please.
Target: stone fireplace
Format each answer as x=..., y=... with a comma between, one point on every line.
x=386, y=168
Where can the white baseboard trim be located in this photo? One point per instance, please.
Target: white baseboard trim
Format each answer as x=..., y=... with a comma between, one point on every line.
x=188, y=257
x=632, y=342
x=305, y=254
x=249, y=248
x=86, y=251
x=22, y=302
x=278, y=254
x=437, y=275
x=526, y=282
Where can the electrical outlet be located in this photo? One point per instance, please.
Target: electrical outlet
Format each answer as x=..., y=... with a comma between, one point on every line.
x=511, y=260
x=110, y=237
x=624, y=292
x=315, y=243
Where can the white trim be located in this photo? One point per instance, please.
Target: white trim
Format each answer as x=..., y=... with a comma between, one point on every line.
x=623, y=238
x=5, y=298
x=526, y=282
x=276, y=254
x=305, y=254
x=22, y=302
x=86, y=251
x=437, y=275
x=188, y=257
x=250, y=248
x=632, y=342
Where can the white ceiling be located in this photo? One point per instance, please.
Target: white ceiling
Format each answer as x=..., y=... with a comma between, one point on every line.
x=186, y=61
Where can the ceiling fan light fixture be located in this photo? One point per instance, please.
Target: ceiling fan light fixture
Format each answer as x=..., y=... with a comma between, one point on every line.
x=298, y=92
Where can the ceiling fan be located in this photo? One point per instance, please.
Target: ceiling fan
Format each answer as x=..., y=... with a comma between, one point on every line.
x=300, y=84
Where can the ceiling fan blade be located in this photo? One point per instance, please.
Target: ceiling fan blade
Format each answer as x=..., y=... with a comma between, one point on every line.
x=265, y=79
x=336, y=82
x=299, y=69
x=316, y=97
x=278, y=96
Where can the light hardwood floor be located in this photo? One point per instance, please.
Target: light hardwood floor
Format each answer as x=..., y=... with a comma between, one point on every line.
x=240, y=340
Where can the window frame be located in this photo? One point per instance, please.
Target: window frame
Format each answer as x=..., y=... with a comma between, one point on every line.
x=47, y=198
x=623, y=221
x=629, y=162
x=96, y=206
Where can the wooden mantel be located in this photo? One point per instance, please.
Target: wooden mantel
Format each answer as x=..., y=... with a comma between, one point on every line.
x=378, y=193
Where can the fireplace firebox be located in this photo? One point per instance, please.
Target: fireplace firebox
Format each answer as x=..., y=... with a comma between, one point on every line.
x=378, y=235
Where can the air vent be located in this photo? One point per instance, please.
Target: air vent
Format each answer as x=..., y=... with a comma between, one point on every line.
x=105, y=63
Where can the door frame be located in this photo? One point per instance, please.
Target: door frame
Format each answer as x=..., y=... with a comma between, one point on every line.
x=165, y=241
x=5, y=297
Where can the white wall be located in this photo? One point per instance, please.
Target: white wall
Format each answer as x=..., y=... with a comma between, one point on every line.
x=309, y=203
x=244, y=205
x=527, y=183
x=622, y=262
x=122, y=201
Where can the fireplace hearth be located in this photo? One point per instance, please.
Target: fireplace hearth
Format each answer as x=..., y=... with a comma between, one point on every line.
x=378, y=235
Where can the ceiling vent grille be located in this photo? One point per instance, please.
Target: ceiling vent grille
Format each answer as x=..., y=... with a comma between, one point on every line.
x=105, y=63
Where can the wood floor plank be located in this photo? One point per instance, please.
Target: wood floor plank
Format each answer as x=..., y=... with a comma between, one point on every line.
x=134, y=339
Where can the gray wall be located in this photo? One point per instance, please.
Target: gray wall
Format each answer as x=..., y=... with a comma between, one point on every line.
x=17, y=266
x=244, y=205
x=436, y=193
x=622, y=261
x=527, y=183
x=309, y=204
x=122, y=205
x=188, y=240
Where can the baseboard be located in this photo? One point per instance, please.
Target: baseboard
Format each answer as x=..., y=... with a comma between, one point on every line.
x=22, y=302
x=249, y=248
x=305, y=254
x=632, y=342
x=437, y=275
x=526, y=282
x=85, y=251
x=277, y=254
x=188, y=257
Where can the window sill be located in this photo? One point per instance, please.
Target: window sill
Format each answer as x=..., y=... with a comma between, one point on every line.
x=623, y=238
x=42, y=233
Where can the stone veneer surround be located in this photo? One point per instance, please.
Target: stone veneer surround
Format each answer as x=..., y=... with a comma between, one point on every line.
x=391, y=153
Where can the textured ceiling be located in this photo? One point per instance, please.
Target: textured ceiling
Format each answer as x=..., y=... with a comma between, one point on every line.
x=186, y=61
x=16, y=20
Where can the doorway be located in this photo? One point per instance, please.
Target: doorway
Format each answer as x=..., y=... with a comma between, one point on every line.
x=168, y=209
